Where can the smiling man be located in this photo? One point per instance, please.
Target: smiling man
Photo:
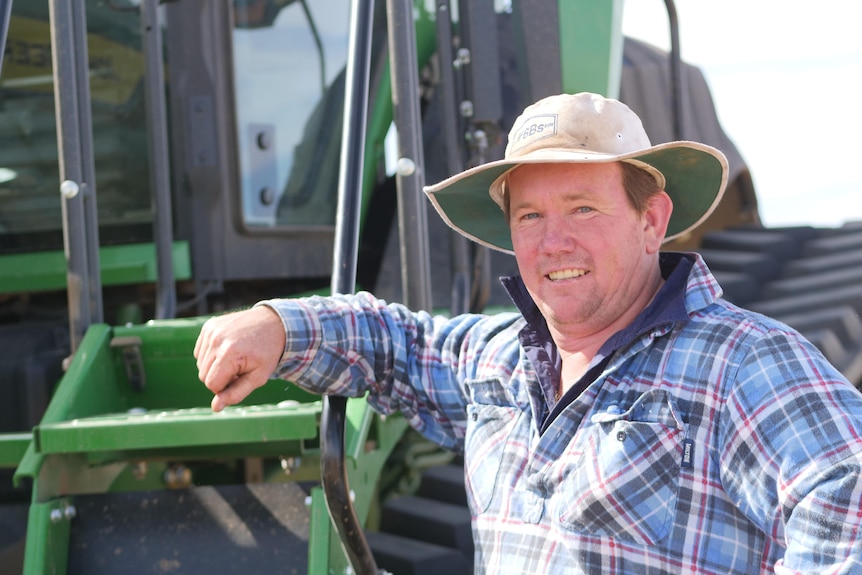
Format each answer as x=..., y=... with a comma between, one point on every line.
x=627, y=419
x=587, y=257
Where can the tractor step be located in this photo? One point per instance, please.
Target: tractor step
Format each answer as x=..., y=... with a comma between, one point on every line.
x=155, y=429
x=444, y=483
x=403, y=556
x=436, y=516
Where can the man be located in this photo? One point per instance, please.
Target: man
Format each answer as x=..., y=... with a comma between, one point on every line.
x=628, y=420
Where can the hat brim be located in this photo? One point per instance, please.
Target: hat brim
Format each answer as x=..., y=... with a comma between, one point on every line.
x=695, y=178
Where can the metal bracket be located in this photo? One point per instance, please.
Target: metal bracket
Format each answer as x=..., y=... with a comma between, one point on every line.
x=130, y=347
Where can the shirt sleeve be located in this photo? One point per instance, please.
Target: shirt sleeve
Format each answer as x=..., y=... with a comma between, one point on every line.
x=792, y=453
x=405, y=361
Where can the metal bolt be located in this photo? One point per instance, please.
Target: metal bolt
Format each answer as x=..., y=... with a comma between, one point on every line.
x=177, y=477
x=264, y=140
x=462, y=58
x=405, y=167
x=70, y=512
x=290, y=464
x=69, y=189
x=56, y=516
x=267, y=196
x=139, y=470
x=480, y=137
x=308, y=501
x=466, y=109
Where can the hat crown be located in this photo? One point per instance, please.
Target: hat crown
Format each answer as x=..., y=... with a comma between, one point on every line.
x=584, y=122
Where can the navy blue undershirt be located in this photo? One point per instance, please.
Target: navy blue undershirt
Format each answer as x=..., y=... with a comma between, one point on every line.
x=668, y=306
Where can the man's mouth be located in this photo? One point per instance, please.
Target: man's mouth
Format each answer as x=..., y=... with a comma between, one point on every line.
x=566, y=274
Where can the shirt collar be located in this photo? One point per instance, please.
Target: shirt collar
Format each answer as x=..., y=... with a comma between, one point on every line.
x=668, y=306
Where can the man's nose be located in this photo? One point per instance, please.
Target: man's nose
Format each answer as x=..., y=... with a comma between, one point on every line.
x=558, y=235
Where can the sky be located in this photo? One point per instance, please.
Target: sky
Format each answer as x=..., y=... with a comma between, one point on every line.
x=785, y=78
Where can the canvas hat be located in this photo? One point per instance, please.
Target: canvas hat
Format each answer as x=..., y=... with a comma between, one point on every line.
x=581, y=128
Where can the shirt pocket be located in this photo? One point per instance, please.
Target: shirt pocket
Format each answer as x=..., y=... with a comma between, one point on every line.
x=625, y=483
x=492, y=419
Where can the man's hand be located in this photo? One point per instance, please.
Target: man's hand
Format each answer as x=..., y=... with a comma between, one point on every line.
x=237, y=353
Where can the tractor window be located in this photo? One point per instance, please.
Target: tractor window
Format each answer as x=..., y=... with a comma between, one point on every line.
x=30, y=210
x=289, y=62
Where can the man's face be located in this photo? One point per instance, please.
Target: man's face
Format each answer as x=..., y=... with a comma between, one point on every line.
x=586, y=257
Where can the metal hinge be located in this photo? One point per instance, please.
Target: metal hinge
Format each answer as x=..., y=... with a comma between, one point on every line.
x=130, y=347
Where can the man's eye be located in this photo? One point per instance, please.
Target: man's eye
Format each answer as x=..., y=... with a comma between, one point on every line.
x=530, y=216
x=584, y=210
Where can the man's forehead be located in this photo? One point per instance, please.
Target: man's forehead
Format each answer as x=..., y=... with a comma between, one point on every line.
x=525, y=173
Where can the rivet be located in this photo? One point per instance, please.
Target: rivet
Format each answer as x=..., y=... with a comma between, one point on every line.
x=267, y=196
x=405, y=167
x=69, y=189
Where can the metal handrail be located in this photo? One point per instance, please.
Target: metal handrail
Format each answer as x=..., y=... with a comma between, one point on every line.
x=157, y=125
x=333, y=468
x=77, y=165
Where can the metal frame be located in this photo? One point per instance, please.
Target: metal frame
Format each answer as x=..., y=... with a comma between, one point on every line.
x=77, y=169
x=206, y=174
x=157, y=124
x=126, y=264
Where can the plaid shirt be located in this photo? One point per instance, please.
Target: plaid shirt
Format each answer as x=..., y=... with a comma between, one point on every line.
x=707, y=439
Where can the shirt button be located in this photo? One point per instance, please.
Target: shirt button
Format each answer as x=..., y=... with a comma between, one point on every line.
x=621, y=435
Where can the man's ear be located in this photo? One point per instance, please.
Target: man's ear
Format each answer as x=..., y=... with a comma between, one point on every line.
x=656, y=218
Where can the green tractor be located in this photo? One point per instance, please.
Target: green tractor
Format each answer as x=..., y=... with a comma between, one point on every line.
x=166, y=161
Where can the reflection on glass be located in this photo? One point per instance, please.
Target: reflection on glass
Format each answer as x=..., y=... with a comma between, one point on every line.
x=30, y=217
x=289, y=60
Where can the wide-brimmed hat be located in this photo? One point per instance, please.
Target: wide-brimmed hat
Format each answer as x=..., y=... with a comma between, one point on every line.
x=581, y=128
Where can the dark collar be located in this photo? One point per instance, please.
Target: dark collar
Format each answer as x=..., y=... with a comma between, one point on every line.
x=667, y=307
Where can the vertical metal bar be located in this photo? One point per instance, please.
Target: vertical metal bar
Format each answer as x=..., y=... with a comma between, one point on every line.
x=357, y=76
x=478, y=29
x=449, y=118
x=410, y=174
x=47, y=542
x=675, y=72
x=5, y=16
x=87, y=158
x=460, y=248
x=345, y=255
x=157, y=124
x=74, y=142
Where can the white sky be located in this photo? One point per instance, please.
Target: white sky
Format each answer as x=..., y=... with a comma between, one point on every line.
x=786, y=78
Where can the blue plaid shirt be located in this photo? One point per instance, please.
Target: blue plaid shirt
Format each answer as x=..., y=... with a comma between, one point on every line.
x=706, y=438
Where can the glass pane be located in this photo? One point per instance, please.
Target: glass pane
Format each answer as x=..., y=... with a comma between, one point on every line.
x=30, y=217
x=289, y=61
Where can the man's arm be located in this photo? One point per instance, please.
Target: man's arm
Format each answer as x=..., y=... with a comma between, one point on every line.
x=352, y=345
x=238, y=352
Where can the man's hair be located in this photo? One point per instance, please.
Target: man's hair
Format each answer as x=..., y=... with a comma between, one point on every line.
x=638, y=184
